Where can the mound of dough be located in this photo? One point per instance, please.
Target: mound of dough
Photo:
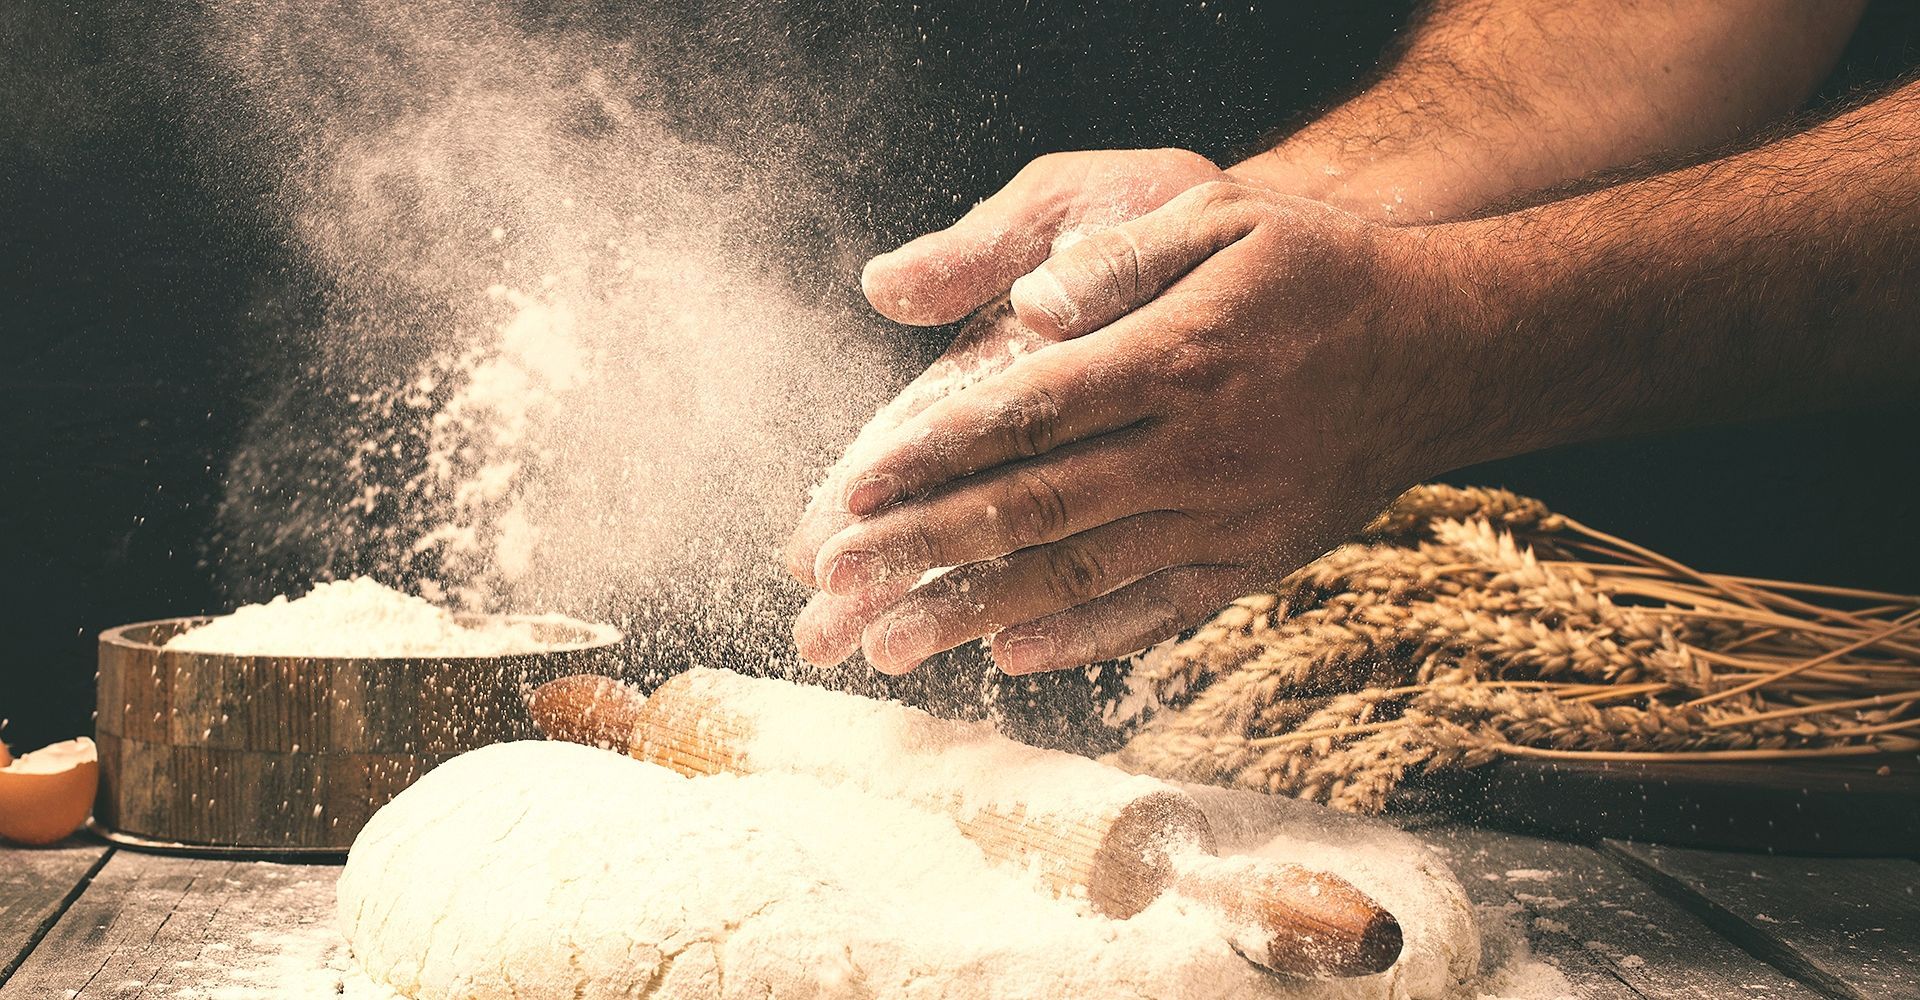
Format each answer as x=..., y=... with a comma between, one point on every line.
x=536, y=870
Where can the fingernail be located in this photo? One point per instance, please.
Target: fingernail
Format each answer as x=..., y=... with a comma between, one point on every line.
x=814, y=648
x=1042, y=291
x=821, y=637
x=851, y=572
x=871, y=492
x=866, y=272
x=1025, y=654
x=907, y=639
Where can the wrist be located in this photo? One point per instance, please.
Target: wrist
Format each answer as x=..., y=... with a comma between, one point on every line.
x=1305, y=171
x=1279, y=171
x=1389, y=191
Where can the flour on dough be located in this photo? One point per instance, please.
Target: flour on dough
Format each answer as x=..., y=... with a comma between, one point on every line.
x=537, y=870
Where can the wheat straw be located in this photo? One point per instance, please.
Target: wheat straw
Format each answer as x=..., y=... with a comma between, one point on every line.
x=1466, y=625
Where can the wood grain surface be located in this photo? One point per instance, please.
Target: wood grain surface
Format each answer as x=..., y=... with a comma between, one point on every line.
x=1848, y=925
x=148, y=926
x=1858, y=806
x=36, y=886
x=1613, y=934
x=294, y=752
x=1622, y=922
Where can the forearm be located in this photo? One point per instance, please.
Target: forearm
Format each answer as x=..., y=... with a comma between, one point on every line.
x=1785, y=278
x=1491, y=99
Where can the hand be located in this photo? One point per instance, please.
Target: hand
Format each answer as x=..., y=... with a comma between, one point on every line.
x=828, y=630
x=944, y=276
x=1241, y=378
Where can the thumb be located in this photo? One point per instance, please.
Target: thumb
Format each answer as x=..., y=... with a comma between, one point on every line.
x=945, y=275
x=1103, y=277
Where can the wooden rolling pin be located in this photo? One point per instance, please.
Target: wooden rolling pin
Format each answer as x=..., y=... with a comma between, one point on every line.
x=1084, y=828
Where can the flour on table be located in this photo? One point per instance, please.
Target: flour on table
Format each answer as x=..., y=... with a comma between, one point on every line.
x=548, y=869
x=364, y=618
x=929, y=759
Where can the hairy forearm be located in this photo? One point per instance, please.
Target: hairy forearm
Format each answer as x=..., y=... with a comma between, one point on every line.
x=1782, y=279
x=1492, y=99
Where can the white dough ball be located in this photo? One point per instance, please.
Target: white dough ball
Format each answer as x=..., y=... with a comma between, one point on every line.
x=548, y=870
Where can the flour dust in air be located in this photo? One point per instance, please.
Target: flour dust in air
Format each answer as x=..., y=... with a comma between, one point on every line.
x=567, y=357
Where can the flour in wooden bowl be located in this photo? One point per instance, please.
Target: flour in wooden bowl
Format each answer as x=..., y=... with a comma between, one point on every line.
x=366, y=619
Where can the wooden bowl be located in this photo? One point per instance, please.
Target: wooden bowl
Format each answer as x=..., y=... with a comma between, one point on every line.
x=292, y=755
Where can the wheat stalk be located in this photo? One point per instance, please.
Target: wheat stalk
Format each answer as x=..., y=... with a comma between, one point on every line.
x=1466, y=625
x=1422, y=505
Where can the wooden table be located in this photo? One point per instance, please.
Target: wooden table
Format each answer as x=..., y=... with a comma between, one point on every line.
x=1621, y=920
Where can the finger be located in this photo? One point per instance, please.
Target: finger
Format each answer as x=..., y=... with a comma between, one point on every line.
x=944, y=275
x=980, y=599
x=986, y=344
x=1126, y=621
x=828, y=628
x=1054, y=397
x=823, y=520
x=1085, y=286
x=1001, y=511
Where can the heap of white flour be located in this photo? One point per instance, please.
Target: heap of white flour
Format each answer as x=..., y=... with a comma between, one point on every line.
x=535, y=870
x=364, y=618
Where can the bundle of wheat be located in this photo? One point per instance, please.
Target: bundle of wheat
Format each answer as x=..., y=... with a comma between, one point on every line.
x=1469, y=624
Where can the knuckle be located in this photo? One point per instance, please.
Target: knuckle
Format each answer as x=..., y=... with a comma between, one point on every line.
x=1220, y=211
x=1043, y=166
x=1163, y=618
x=1177, y=157
x=1190, y=359
x=1074, y=575
x=943, y=462
x=1038, y=511
x=799, y=563
x=1184, y=599
x=1029, y=421
x=1114, y=264
x=1217, y=195
x=921, y=549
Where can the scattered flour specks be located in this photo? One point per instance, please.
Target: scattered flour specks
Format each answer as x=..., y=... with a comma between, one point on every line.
x=541, y=869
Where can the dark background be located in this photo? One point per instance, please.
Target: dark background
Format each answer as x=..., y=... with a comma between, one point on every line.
x=143, y=279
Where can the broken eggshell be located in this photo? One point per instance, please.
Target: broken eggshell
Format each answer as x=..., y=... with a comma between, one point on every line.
x=47, y=794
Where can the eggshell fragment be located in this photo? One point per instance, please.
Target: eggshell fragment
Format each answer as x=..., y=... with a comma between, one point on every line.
x=47, y=794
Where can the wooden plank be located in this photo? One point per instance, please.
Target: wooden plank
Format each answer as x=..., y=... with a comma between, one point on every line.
x=1848, y=807
x=39, y=885
x=1611, y=933
x=1850, y=926
x=150, y=926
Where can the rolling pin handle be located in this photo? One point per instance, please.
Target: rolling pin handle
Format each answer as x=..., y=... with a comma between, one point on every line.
x=587, y=708
x=1291, y=920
